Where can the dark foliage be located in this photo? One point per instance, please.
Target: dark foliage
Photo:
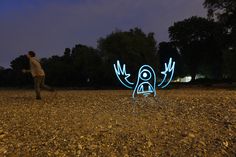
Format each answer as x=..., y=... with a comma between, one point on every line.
x=200, y=42
x=84, y=66
x=198, y=46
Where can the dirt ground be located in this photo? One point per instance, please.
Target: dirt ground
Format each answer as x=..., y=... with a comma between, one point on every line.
x=178, y=122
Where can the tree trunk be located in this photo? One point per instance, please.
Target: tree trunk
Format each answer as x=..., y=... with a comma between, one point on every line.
x=193, y=75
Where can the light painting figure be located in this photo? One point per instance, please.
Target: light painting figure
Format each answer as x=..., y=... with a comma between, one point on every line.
x=146, y=80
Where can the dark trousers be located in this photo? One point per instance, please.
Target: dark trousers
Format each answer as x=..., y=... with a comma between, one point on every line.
x=39, y=83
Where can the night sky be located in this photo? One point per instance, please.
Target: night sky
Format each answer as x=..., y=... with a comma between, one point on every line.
x=49, y=26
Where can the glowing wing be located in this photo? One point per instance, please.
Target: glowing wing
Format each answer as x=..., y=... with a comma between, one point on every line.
x=122, y=75
x=169, y=69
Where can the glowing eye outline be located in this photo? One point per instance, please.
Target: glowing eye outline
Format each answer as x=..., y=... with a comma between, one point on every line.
x=143, y=72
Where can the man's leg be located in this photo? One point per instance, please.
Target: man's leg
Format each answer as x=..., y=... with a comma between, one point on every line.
x=37, y=82
x=45, y=86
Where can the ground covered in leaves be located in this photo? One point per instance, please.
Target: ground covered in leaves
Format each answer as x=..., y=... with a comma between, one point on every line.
x=178, y=122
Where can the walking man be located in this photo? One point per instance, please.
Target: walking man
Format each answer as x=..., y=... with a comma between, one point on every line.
x=37, y=73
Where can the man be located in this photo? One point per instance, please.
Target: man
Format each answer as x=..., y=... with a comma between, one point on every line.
x=37, y=73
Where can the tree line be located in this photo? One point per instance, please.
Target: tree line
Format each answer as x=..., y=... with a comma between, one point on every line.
x=205, y=46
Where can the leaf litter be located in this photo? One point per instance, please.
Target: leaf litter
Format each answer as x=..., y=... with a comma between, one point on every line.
x=178, y=122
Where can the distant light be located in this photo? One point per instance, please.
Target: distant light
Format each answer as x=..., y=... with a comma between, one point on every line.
x=231, y=48
x=199, y=76
x=184, y=79
x=188, y=78
x=229, y=31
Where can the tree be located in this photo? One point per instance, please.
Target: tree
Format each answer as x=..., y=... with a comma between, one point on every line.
x=229, y=57
x=87, y=63
x=19, y=63
x=133, y=48
x=168, y=50
x=16, y=75
x=7, y=78
x=200, y=42
x=224, y=11
x=1, y=75
x=56, y=70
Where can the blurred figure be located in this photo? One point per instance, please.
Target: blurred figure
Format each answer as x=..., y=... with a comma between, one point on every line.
x=37, y=73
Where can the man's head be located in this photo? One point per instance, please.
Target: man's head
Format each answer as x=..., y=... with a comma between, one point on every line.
x=31, y=54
